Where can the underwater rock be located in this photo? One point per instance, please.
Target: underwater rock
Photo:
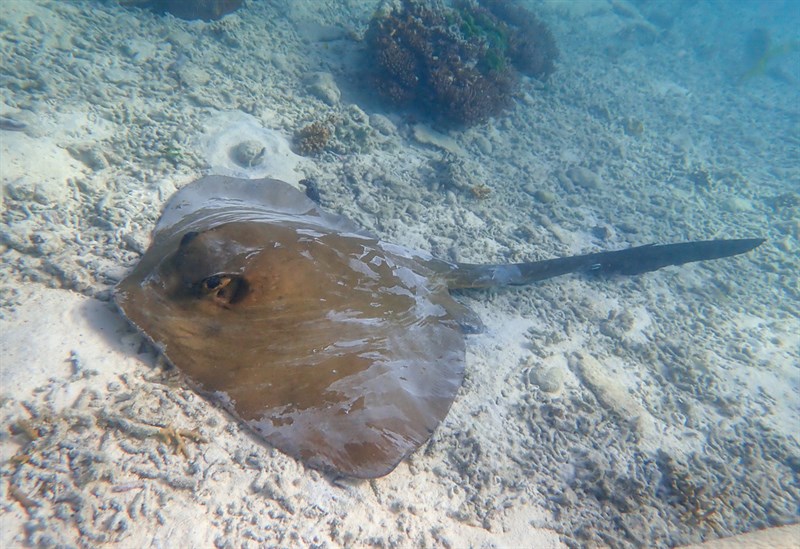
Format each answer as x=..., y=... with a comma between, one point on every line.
x=549, y=380
x=633, y=127
x=93, y=158
x=382, y=124
x=612, y=393
x=192, y=76
x=483, y=145
x=322, y=86
x=737, y=204
x=140, y=51
x=428, y=136
x=352, y=131
x=47, y=192
x=583, y=177
x=544, y=196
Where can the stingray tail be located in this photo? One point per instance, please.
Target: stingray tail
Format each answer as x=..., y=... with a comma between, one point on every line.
x=631, y=261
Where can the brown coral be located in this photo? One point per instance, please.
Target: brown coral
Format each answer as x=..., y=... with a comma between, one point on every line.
x=420, y=59
x=455, y=64
x=313, y=138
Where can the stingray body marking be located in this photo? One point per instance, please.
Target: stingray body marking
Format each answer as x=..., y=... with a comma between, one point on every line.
x=340, y=350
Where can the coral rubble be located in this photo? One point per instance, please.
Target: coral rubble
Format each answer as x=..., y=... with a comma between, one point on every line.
x=457, y=64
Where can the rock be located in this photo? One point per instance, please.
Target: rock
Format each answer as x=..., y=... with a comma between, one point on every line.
x=322, y=86
x=483, y=144
x=193, y=76
x=116, y=75
x=633, y=126
x=737, y=204
x=549, y=380
x=279, y=61
x=36, y=24
x=545, y=197
x=602, y=232
x=427, y=136
x=785, y=245
x=612, y=393
x=140, y=51
x=91, y=157
x=180, y=37
x=382, y=124
x=583, y=177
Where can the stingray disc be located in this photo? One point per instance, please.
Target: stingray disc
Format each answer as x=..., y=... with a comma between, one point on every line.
x=340, y=350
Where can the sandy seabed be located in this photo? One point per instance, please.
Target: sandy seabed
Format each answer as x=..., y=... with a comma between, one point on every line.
x=651, y=411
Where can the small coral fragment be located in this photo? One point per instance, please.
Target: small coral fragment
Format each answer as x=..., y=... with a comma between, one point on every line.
x=168, y=434
x=313, y=138
x=22, y=498
x=481, y=191
x=28, y=428
x=175, y=437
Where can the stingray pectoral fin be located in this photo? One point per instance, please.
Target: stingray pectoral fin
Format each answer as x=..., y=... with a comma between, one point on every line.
x=631, y=261
x=469, y=322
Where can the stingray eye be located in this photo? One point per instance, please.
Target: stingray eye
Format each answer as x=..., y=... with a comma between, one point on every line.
x=212, y=282
x=224, y=289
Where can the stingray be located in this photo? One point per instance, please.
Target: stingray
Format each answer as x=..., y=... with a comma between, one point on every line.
x=339, y=349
